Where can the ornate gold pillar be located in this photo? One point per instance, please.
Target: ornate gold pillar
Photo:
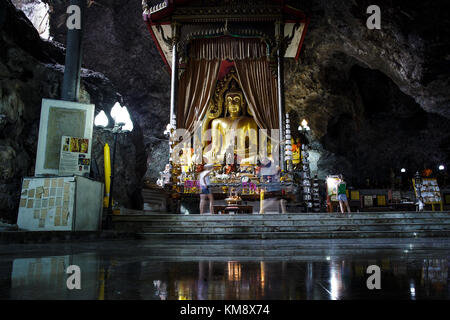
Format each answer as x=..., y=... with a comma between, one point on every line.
x=174, y=76
x=279, y=27
x=173, y=92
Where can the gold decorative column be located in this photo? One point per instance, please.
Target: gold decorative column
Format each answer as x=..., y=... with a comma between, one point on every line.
x=107, y=162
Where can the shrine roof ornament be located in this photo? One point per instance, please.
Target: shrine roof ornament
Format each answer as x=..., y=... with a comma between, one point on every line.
x=215, y=18
x=209, y=10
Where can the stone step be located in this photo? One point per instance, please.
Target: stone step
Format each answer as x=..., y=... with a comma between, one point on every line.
x=280, y=249
x=303, y=222
x=153, y=207
x=298, y=216
x=285, y=226
x=155, y=202
x=306, y=228
x=148, y=213
x=151, y=220
x=267, y=253
x=153, y=191
x=317, y=246
x=297, y=235
x=154, y=197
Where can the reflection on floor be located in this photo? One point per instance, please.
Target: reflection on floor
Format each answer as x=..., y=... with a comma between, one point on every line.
x=277, y=269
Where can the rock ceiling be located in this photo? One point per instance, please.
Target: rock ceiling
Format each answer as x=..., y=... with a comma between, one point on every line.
x=375, y=99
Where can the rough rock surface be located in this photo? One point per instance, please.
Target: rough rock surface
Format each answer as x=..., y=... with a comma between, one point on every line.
x=31, y=69
x=37, y=12
x=117, y=43
x=333, y=85
x=375, y=99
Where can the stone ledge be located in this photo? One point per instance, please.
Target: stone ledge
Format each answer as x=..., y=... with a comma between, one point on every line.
x=7, y=237
x=298, y=235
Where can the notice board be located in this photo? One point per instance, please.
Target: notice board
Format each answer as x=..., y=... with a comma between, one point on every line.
x=60, y=118
x=75, y=156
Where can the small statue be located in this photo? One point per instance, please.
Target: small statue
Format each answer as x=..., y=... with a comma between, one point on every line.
x=164, y=176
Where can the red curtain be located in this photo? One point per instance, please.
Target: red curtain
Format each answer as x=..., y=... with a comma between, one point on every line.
x=198, y=82
x=195, y=89
x=260, y=90
x=227, y=48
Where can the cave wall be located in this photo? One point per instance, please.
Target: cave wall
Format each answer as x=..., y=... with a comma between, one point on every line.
x=411, y=48
x=37, y=12
x=32, y=69
x=410, y=53
x=374, y=99
x=117, y=43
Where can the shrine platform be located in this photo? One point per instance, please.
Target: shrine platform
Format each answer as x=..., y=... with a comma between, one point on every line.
x=285, y=226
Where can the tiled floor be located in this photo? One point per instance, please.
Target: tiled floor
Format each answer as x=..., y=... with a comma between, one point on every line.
x=278, y=269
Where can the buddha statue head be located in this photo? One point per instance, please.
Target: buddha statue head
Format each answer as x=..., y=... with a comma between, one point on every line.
x=234, y=101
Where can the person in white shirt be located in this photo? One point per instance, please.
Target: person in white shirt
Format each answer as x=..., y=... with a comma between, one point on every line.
x=205, y=189
x=420, y=204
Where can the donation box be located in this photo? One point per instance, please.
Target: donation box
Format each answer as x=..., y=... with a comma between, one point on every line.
x=60, y=204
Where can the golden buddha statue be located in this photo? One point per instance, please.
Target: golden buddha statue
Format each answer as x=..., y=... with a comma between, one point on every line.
x=234, y=134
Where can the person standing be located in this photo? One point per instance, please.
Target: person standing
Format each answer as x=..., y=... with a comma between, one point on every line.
x=420, y=204
x=205, y=189
x=341, y=191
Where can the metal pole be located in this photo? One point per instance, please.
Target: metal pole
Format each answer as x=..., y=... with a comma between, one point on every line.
x=71, y=82
x=280, y=53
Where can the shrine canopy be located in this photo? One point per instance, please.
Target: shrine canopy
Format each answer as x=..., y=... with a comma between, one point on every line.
x=250, y=16
x=205, y=35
